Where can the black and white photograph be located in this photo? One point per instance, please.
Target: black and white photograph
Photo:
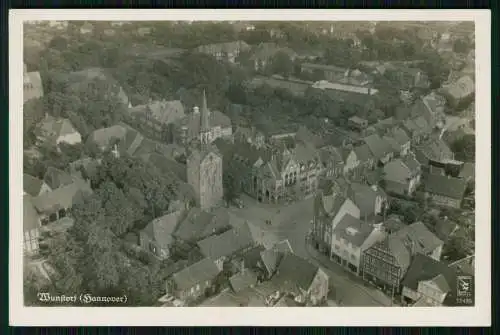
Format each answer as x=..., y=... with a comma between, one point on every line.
x=177, y=162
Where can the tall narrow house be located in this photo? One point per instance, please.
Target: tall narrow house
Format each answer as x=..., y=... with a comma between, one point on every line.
x=204, y=165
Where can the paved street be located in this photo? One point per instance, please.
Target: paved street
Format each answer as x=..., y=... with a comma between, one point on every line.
x=292, y=222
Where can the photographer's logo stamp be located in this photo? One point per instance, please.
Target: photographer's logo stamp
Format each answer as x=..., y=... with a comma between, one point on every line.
x=465, y=290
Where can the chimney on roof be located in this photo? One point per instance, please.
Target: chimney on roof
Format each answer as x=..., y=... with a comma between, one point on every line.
x=196, y=110
x=375, y=187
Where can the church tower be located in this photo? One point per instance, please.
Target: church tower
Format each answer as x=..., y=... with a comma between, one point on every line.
x=205, y=134
x=204, y=165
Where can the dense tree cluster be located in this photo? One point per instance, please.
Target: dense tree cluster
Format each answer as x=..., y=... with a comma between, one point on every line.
x=465, y=148
x=92, y=255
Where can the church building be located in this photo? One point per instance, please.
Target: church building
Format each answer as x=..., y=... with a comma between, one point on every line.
x=204, y=165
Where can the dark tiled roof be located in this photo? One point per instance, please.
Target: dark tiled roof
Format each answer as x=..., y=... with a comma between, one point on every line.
x=399, y=251
x=227, y=243
x=89, y=165
x=422, y=125
x=364, y=197
x=445, y=228
x=436, y=149
x=424, y=268
x=197, y=225
x=378, y=146
x=400, y=136
x=32, y=185
x=305, y=135
x=393, y=144
x=56, y=178
x=465, y=265
x=243, y=280
x=252, y=257
x=468, y=171
x=167, y=165
x=195, y=274
x=63, y=197
x=132, y=140
x=271, y=259
x=402, y=112
x=363, y=152
x=165, y=112
x=419, y=237
x=161, y=229
x=332, y=203
x=447, y=186
x=331, y=153
x=397, y=171
x=287, y=276
x=384, y=124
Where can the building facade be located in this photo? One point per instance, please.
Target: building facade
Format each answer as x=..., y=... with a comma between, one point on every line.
x=273, y=173
x=194, y=281
x=386, y=263
x=350, y=238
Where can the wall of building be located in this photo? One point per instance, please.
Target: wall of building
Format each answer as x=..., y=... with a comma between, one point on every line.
x=346, y=252
x=146, y=243
x=410, y=294
x=386, y=272
x=436, y=254
x=193, y=176
x=31, y=246
x=445, y=201
x=71, y=139
x=211, y=189
x=194, y=292
x=319, y=287
x=431, y=293
x=351, y=162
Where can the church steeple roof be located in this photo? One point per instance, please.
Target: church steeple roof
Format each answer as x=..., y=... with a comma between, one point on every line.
x=205, y=122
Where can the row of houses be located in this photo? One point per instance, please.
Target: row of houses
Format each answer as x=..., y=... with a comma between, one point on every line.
x=403, y=260
x=255, y=276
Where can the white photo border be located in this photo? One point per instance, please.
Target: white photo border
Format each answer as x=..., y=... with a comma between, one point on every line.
x=479, y=315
